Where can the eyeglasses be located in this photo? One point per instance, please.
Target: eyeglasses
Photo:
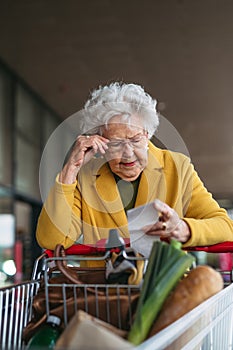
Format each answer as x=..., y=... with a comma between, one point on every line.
x=135, y=143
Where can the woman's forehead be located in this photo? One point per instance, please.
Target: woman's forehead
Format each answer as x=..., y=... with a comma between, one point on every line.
x=122, y=129
x=119, y=124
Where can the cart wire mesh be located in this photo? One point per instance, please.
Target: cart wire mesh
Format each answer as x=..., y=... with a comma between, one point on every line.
x=15, y=312
x=115, y=296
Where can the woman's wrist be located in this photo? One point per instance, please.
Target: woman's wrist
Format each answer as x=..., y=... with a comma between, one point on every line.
x=185, y=232
x=68, y=174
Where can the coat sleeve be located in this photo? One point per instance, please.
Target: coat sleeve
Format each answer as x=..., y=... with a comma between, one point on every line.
x=59, y=221
x=209, y=224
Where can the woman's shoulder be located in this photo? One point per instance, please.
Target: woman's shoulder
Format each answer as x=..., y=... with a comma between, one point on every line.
x=164, y=155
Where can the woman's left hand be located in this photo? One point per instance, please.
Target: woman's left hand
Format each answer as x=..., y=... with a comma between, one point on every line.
x=169, y=224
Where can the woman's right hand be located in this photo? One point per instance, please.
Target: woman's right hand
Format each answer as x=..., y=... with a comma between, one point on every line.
x=83, y=150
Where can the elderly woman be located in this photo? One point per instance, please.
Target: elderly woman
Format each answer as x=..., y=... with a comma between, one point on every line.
x=114, y=167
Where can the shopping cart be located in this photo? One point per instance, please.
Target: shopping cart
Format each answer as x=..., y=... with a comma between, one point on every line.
x=208, y=326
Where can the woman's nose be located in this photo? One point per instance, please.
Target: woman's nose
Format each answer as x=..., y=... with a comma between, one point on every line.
x=128, y=149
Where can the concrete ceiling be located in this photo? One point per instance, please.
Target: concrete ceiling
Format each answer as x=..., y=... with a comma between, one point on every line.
x=180, y=51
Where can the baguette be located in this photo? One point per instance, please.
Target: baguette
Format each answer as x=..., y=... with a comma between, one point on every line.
x=200, y=284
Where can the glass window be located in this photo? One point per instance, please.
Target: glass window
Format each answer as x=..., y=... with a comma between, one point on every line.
x=27, y=161
x=28, y=116
x=28, y=143
x=6, y=201
x=5, y=130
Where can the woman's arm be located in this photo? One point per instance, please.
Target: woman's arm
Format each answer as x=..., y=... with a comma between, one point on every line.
x=203, y=222
x=59, y=221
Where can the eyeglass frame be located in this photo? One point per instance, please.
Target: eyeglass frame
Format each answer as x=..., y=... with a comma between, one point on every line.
x=122, y=143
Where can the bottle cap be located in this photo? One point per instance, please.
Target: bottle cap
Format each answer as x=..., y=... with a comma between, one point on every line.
x=54, y=319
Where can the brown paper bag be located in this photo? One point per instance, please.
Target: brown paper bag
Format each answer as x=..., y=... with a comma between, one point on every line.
x=87, y=332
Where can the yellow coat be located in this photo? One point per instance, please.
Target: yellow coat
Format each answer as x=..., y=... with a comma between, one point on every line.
x=92, y=205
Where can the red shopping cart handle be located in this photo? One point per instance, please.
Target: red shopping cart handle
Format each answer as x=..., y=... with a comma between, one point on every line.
x=224, y=247
x=78, y=249
x=83, y=249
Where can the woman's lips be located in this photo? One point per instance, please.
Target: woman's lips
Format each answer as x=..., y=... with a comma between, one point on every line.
x=128, y=164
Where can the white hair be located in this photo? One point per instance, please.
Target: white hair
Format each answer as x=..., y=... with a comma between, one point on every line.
x=119, y=99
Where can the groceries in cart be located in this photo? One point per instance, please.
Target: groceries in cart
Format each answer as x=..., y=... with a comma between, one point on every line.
x=77, y=334
x=47, y=336
x=149, y=296
x=166, y=288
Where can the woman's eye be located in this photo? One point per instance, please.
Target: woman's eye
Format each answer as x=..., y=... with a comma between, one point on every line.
x=116, y=144
x=136, y=140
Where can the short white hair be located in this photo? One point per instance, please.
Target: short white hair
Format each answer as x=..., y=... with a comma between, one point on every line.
x=122, y=99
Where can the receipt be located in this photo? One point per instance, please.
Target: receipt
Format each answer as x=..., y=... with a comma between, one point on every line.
x=137, y=219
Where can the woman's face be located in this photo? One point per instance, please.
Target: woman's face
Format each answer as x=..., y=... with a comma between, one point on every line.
x=127, y=149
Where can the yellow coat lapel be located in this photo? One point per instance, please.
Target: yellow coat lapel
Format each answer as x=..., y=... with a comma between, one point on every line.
x=152, y=184
x=106, y=189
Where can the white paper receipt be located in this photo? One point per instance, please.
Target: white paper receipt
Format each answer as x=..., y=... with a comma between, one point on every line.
x=137, y=219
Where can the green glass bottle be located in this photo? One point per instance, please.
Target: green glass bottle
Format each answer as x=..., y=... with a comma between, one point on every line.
x=47, y=335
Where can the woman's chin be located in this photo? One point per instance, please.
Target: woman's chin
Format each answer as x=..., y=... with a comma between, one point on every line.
x=129, y=175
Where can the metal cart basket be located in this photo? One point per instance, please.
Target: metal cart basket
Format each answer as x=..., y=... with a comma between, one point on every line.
x=207, y=327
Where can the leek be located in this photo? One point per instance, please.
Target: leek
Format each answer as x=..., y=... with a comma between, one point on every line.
x=166, y=265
